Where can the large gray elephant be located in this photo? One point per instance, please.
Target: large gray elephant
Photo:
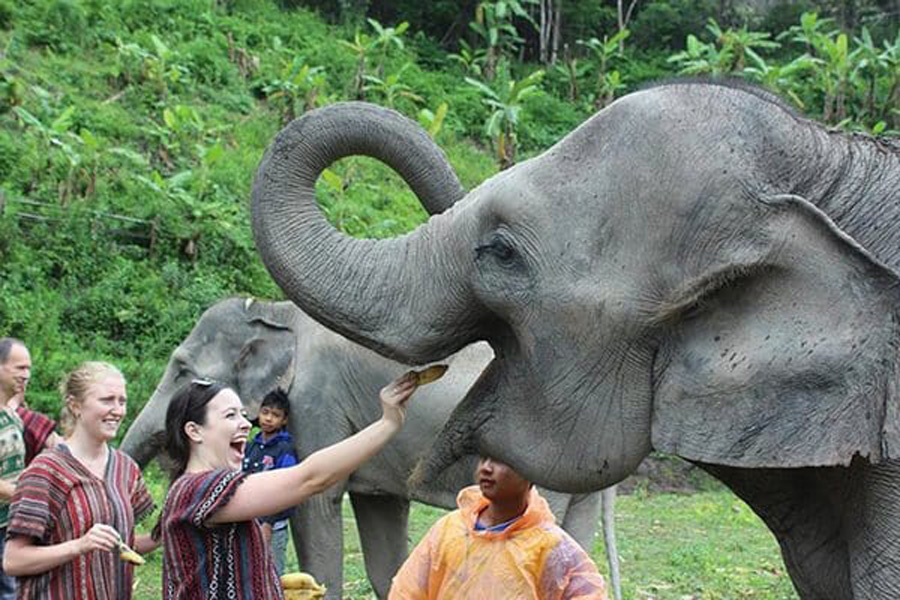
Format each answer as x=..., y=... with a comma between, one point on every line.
x=333, y=386
x=696, y=269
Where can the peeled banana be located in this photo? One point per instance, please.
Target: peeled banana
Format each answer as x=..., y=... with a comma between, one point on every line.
x=301, y=586
x=432, y=373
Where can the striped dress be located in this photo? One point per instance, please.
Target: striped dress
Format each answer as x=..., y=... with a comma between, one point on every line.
x=210, y=562
x=58, y=499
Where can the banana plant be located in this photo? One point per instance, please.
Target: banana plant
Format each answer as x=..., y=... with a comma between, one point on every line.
x=298, y=84
x=158, y=66
x=391, y=89
x=872, y=65
x=433, y=121
x=494, y=25
x=471, y=59
x=361, y=46
x=785, y=79
x=604, y=52
x=727, y=54
x=738, y=42
x=834, y=76
x=506, y=97
x=570, y=69
x=385, y=38
x=57, y=135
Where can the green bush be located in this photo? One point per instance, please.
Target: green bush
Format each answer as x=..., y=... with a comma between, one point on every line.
x=58, y=24
x=7, y=14
x=546, y=120
x=666, y=25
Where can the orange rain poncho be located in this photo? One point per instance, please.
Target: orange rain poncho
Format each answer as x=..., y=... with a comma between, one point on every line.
x=532, y=558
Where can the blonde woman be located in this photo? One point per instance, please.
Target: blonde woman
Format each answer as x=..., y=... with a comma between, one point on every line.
x=75, y=502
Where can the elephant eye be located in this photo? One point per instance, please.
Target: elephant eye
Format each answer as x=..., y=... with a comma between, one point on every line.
x=499, y=248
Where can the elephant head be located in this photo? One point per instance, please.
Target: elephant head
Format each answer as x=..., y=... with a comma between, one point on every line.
x=695, y=268
x=250, y=349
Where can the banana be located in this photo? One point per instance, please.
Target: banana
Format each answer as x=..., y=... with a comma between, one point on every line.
x=432, y=373
x=129, y=555
x=301, y=581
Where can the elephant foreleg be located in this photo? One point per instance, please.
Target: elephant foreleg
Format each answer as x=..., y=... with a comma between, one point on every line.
x=803, y=508
x=873, y=528
x=837, y=526
x=319, y=540
x=382, y=524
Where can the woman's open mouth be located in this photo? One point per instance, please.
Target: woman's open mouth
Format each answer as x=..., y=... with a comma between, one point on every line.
x=237, y=448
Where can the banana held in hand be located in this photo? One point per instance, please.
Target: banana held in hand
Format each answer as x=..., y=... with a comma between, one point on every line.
x=129, y=555
x=301, y=586
x=431, y=374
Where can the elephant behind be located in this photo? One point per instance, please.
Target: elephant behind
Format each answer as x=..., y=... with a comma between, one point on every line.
x=333, y=387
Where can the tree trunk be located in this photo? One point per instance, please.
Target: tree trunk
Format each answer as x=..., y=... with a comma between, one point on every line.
x=557, y=27
x=624, y=18
x=544, y=35
x=621, y=16
x=847, y=15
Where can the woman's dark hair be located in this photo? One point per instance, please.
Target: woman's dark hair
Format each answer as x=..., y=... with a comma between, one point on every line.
x=187, y=405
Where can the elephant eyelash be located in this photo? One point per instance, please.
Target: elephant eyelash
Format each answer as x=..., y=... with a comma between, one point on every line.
x=498, y=247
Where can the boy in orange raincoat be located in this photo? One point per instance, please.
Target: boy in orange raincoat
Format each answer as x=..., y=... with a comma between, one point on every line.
x=503, y=542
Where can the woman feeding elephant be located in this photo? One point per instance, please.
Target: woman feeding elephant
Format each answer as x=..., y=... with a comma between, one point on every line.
x=208, y=525
x=77, y=503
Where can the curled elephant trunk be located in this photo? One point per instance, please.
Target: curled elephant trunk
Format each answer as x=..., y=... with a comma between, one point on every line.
x=373, y=292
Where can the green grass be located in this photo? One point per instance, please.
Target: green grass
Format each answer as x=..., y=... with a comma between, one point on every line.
x=702, y=546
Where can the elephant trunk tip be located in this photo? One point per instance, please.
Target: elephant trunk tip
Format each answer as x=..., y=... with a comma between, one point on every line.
x=421, y=474
x=438, y=464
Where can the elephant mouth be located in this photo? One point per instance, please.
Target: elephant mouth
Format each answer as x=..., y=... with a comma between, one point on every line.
x=558, y=430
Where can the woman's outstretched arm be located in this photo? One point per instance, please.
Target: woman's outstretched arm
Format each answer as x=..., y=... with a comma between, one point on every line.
x=270, y=492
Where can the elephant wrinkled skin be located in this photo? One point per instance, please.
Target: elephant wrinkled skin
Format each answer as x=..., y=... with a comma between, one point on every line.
x=695, y=269
x=333, y=386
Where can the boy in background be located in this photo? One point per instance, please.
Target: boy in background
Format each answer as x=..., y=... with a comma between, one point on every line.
x=273, y=448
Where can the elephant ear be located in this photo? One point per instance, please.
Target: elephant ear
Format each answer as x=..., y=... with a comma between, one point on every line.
x=266, y=358
x=789, y=358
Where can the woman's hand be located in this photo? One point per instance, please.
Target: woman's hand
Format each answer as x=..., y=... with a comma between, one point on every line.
x=394, y=397
x=100, y=537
